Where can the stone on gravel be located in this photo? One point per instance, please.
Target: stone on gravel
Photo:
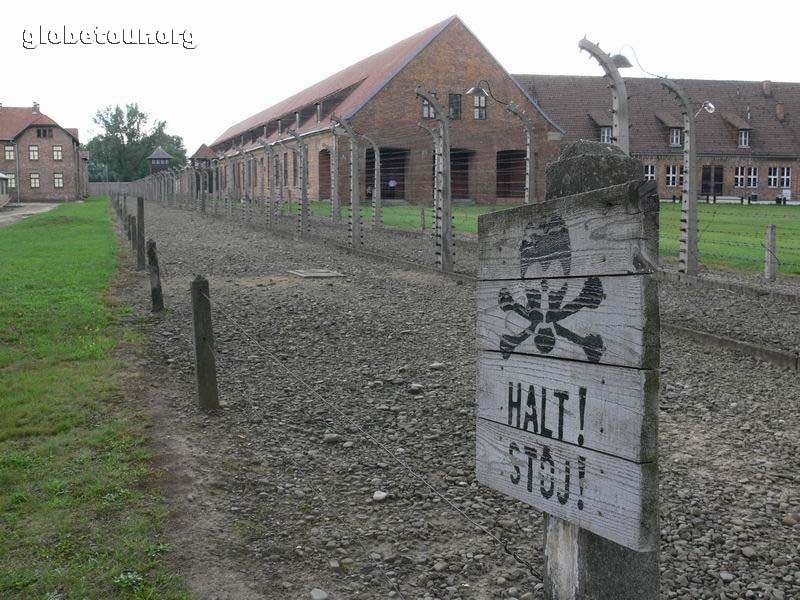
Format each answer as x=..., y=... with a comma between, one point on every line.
x=440, y=566
x=318, y=594
x=331, y=438
x=727, y=576
x=437, y=366
x=416, y=389
x=379, y=496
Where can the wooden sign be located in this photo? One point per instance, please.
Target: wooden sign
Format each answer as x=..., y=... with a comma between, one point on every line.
x=568, y=340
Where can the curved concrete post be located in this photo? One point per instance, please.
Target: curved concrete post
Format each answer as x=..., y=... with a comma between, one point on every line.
x=530, y=155
x=355, y=189
x=444, y=212
x=619, y=95
x=688, y=254
x=303, y=154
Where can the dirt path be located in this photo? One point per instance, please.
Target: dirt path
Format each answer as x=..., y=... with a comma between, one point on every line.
x=274, y=497
x=11, y=213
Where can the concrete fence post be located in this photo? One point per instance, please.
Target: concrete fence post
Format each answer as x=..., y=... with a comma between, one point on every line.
x=355, y=185
x=770, y=254
x=205, y=362
x=443, y=208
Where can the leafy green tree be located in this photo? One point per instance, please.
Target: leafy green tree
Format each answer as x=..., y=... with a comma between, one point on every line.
x=120, y=151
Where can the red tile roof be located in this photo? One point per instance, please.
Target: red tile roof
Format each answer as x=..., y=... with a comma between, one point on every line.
x=572, y=101
x=367, y=77
x=16, y=119
x=204, y=153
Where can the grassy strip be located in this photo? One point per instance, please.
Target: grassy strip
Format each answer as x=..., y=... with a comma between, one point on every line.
x=731, y=235
x=77, y=515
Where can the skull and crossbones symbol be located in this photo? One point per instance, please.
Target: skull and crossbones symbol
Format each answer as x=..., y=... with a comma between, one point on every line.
x=546, y=243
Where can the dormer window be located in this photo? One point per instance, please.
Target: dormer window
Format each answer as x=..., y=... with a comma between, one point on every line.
x=427, y=110
x=676, y=136
x=605, y=135
x=744, y=138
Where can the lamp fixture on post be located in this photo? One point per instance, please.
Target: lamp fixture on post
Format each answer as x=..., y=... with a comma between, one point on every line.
x=530, y=168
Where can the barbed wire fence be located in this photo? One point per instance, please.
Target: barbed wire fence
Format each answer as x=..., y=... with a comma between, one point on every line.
x=316, y=481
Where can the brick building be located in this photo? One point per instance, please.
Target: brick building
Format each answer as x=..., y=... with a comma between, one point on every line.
x=377, y=96
x=750, y=145
x=42, y=160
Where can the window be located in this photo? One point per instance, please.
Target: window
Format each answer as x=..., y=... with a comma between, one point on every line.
x=427, y=110
x=744, y=138
x=58, y=153
x=680, y=179
x=44, y=132
x=12, y=181
x=454, y=102
x=772, y=177
x=10, y=154
x=752, y=177
x=295, y=159
x=650, y=172
x=34, y=181
x=58, y=180
x=605, y=135
x=671, y=178
x=675, y=135
x=285, y=167
x=786, y=177
x=33, y=152
x=479, y=106
x=738, y=177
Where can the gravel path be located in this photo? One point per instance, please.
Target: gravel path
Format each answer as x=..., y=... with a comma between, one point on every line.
x=392, y=350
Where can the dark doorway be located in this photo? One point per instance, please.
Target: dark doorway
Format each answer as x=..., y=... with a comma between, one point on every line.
x=712, y=180
x=393, y=172
x=459, y=173
x=324, y=175
x=511, y=174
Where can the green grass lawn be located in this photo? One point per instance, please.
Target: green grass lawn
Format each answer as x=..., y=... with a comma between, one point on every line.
x=78, y=512
x=731, y=236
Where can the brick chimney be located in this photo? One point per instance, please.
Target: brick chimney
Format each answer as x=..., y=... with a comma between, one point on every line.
x=766, y=88
x=780, y=111
x=35, y=109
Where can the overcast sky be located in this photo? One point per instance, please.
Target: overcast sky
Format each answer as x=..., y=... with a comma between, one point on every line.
x=250, y=55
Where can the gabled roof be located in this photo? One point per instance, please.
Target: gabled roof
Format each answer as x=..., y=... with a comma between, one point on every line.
x=366, y=77
x=204, y=153
x=16, y=119
x=159, y=153
x=757, y=105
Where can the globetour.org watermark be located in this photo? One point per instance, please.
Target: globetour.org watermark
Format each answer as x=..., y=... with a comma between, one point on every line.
x=65, y=36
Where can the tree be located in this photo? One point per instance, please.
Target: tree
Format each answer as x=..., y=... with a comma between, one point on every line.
x=120, y=151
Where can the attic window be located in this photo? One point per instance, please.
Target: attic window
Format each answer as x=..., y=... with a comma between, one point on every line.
x=479, y=107
x=319, y=111
x=675, y=135
x=744, y=138
x=44, y=132
x=605, y=135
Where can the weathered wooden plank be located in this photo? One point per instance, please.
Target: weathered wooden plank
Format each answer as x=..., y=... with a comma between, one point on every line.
x=597, y=407
x=609, y=496
x=602, y=232
x=595, y=319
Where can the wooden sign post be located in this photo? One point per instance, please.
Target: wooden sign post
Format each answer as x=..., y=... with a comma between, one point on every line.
x=568, y=336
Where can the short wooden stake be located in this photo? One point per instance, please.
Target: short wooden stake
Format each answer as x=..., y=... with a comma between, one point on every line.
x=205, y=363
x=770, y=254
x=140, y=257
x=133, y=233
x=422, y=218
x=156, y=295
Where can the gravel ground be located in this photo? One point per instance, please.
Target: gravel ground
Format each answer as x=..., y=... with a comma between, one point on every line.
x=769, y=320
x=301, y=361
